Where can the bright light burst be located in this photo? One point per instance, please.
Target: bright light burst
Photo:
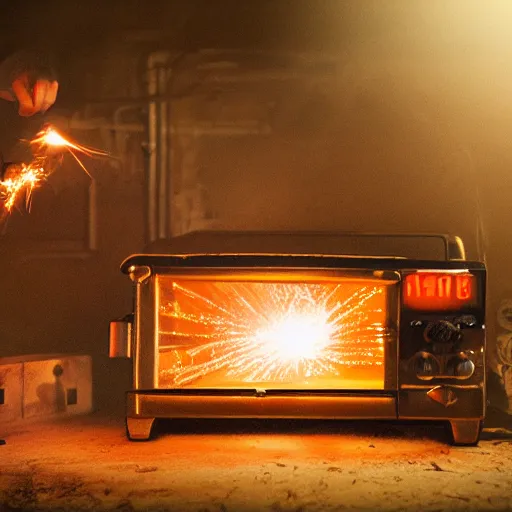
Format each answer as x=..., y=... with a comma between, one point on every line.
x=50, y=138
x=294, y=338
x=21, y=179
x=277, y=332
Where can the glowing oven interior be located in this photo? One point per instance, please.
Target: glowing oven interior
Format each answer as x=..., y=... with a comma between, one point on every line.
x=252, y=332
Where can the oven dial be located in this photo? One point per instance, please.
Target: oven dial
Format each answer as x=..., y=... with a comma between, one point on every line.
x=442, y=331
x=426, y=366
x=462, y=366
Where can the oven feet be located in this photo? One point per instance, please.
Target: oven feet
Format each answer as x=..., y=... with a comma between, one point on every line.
x=465, y=432
x=139, y=429
x=462, y=432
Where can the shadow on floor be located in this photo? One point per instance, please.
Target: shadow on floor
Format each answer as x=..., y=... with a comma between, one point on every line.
x=374, y=429
x=497, y=426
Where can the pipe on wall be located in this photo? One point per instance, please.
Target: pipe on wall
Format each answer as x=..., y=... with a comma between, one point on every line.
x=157, y=146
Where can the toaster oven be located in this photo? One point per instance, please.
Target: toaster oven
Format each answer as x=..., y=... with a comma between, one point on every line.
x=304, y=334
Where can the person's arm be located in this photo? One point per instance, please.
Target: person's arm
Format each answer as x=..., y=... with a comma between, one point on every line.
x=29, y=79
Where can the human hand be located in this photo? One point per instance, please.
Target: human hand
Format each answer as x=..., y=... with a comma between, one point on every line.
x=32, y=99
x=28, y=78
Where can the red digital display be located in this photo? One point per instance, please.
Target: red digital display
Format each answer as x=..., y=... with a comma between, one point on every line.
x=439, y=291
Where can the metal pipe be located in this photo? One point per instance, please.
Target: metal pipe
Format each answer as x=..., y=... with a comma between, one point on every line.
x=254, y=77
x=152, y=129
x=94, y=124
x=117, y=117
x=155, y=60
x=92, y=228
x=200, y=128
x=171, y=182
x=163, y=161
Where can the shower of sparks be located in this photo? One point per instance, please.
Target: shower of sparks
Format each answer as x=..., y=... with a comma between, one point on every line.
x=260, y=332
x=49, y=137
x=22, y=179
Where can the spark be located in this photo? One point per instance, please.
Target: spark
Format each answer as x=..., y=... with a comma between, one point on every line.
x=278, y=332
x=22, y=179
x=50, y=137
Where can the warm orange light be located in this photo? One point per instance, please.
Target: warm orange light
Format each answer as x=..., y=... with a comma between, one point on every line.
x=49, y=136
x=52, y=138
x=439, y=291
x=272, y=334
x=293, y=338
x=22, y=179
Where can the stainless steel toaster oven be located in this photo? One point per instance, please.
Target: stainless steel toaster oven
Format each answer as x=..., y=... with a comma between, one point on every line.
x=304, y=334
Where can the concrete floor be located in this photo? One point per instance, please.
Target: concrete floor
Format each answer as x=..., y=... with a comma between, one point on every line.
x=86, y=463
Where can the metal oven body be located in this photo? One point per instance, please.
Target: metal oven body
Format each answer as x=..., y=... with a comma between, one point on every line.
x=304, y=336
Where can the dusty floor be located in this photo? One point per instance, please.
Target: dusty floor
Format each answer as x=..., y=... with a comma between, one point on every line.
x=87, y=464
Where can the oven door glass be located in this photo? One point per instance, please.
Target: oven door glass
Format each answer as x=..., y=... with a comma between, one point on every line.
x=273, y=331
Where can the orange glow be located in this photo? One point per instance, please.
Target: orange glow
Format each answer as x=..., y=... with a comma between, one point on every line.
x=295, y=337
x=272, y=334
x=22, y=179
x=439, y=291
x=50, y=137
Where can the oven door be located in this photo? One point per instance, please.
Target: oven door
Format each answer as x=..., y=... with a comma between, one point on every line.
x=311, y=343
